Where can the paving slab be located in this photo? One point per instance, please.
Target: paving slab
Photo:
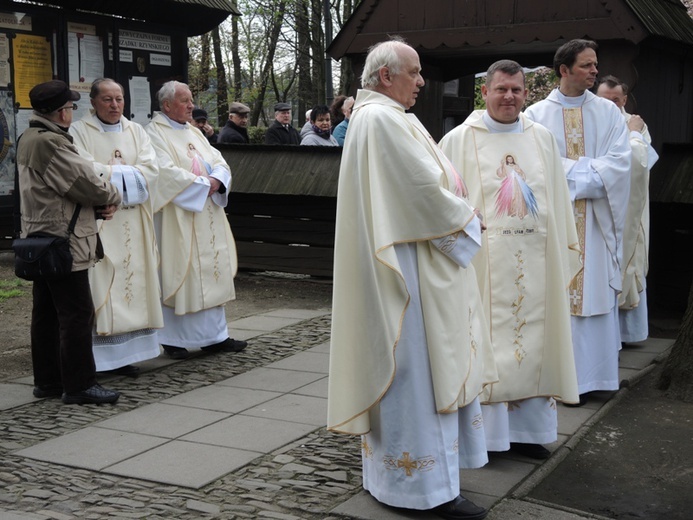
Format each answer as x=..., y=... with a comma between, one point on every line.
x=294, y=408
x=272, y=379
x=222, y=398
x=629, y=358
x=183, y=463
x=250, y=433
x=323, y=348
x=264, y=323
x=570, y=419
x=496, y=478
x=13, y=395
x=91, y=448
x=304, y=361
x=163, y=420
x=316, y=389
x=652, y=345
x=302, y=314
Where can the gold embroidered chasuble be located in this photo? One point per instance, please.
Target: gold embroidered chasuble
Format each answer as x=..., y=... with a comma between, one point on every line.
x=529, y=254
x=125, y=284
x=198, y=250
x=393, y=190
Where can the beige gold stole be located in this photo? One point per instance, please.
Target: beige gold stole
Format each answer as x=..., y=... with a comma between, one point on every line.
x=575, y=148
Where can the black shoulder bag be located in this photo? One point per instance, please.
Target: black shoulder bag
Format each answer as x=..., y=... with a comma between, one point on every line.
x=40, y=256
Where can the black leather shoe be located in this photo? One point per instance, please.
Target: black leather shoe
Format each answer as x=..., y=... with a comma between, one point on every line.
x=48, y=391
x=228, y=345
x=127, y=370
x=460, y=509
x=96, y=394
x=533, y=451
x=583, y=402
x=176, y=352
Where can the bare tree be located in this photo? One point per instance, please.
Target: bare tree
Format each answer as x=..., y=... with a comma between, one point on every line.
x=222, y=85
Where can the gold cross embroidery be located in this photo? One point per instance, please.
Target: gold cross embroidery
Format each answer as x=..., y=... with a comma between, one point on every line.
x=407, y=464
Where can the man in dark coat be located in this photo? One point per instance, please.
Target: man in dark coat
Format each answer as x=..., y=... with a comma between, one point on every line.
x=281, y=131
x=236, y=128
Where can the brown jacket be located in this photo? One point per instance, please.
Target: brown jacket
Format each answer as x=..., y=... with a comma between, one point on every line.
x=53, y=179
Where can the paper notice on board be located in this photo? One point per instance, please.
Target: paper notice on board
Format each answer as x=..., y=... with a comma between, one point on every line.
x=91, y=58
x=140, y=100
x=32, y=65
x=4, y=60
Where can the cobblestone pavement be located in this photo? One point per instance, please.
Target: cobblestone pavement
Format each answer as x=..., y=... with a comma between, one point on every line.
x=303, y=480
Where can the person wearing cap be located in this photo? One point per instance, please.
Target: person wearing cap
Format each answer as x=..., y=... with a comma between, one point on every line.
x=54, y=180
x=125, y=284
x=236, y=128
x=198, y=253
x=281, y=131
x=199, y=121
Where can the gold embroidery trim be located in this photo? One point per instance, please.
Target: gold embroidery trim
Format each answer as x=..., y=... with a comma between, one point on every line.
x=575, y=148
x=408, y=464
x=516, y=306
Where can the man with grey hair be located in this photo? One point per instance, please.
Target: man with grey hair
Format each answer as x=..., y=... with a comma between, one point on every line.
x=408, y=356
x=514, y=174
x=198, y=253
x=593, y=141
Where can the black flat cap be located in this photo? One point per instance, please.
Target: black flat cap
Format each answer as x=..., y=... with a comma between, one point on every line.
x=282, y=106
x=199, y=113
x=51, y=95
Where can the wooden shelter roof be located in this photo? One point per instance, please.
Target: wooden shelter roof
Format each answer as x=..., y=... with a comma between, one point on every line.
x=195, y=16
x=443, y=31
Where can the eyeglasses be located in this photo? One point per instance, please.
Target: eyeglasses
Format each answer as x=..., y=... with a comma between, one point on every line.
x=73, y=107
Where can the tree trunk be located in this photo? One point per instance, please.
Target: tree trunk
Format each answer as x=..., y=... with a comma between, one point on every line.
x=305, y=87
x=346, y=73
x=200, y=82
x=677, y=372
x=317, y=45
x=236, y=58
x=273, y=37
x=222, y=85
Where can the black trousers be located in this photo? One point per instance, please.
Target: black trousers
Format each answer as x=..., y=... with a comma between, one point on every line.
x=62, y=320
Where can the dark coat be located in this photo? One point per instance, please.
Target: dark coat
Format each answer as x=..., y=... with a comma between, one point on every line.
x=277, y=134
x=232, y=133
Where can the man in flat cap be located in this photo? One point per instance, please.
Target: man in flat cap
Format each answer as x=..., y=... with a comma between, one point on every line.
x=281, y=131
x=200, y=121
x=236, y=128
x=56, y=186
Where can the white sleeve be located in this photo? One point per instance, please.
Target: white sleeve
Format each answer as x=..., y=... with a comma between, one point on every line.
x=223, y=175
x=584, y=182
x=461, y=249
x=130, y=183
x=193, y=197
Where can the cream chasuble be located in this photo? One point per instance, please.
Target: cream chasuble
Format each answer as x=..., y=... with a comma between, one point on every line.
x=393, y=190
x=198, y=250
x=528, y=256
x=125, y=284
x=636, y=233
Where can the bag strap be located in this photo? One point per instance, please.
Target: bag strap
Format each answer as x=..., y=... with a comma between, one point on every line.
x=17, y=214
x=74, y=220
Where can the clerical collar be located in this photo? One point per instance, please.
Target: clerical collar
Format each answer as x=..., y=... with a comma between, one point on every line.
x=571, y=101
x=106, y=127
x=175, y=124
x=495, y=127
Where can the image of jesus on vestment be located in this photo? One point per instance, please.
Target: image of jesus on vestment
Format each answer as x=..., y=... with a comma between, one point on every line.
x=514, y=198
x=117, y=158
x=199, y=165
